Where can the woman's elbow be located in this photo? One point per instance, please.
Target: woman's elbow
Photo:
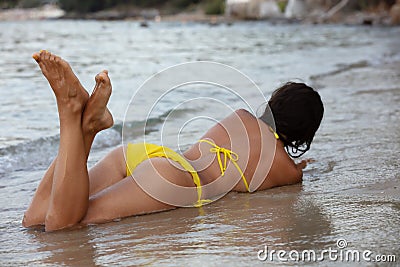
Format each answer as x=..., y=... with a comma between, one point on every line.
x=296, y=177
x=299, y=176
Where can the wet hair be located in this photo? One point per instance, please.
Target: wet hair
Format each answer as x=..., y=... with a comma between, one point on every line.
x=297, y=111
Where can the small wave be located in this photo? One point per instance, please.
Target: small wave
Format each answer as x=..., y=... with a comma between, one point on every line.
x=31, y=154
x=39, y=153
x=107, y=138
x=393, y=90
x=132, y=129
x=342, y=68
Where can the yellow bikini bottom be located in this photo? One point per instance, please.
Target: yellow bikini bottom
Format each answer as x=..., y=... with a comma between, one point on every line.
x=139, y=152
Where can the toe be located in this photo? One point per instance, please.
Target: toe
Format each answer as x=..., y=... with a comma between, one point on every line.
x=102, y=90
x=36, y=56
x=44, y=55
x=49, y=62
x=105, y=77
x=100, y=78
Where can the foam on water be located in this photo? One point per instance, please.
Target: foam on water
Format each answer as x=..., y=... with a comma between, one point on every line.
x=38, y=154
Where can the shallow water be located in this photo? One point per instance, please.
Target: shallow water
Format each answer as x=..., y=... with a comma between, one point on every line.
x=351, y=191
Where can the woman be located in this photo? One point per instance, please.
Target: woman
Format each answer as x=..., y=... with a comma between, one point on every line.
x=241, y=153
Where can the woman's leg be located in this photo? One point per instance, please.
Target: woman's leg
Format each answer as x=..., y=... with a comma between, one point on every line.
x=108, y=171
x=127, y=198
x=96, y=117
x=70, y=187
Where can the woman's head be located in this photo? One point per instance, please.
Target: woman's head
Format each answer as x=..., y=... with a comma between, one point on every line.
x=297, y=110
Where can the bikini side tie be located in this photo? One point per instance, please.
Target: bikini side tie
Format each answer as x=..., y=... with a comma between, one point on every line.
x=234, y=157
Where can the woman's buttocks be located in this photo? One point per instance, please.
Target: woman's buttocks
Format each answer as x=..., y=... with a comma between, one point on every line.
x=156, y=168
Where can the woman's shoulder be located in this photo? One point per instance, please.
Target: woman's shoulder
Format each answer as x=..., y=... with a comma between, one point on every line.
x=240, y=118
x=243, y=114
x=249, y=119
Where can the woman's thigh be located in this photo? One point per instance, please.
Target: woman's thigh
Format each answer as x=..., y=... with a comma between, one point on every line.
x=126, y=197
x=108, y=171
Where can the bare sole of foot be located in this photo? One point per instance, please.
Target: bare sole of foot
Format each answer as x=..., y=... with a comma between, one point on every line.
x=68, y=90
x=96, y=116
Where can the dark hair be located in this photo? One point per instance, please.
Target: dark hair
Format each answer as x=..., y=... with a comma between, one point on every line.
x=297, y=111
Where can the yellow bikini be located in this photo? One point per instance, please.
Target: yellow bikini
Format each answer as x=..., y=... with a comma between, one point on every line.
x=227, y=154
x=137, y=153
x=275, y=133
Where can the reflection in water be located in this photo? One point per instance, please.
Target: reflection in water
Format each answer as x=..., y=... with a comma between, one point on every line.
x=68, y=247
x=236, y=227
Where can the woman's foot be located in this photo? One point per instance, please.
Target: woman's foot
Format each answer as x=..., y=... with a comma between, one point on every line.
x=96, y=116
x=70, y=94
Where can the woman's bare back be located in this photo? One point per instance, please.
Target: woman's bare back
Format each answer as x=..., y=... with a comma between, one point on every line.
x=262, y=158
